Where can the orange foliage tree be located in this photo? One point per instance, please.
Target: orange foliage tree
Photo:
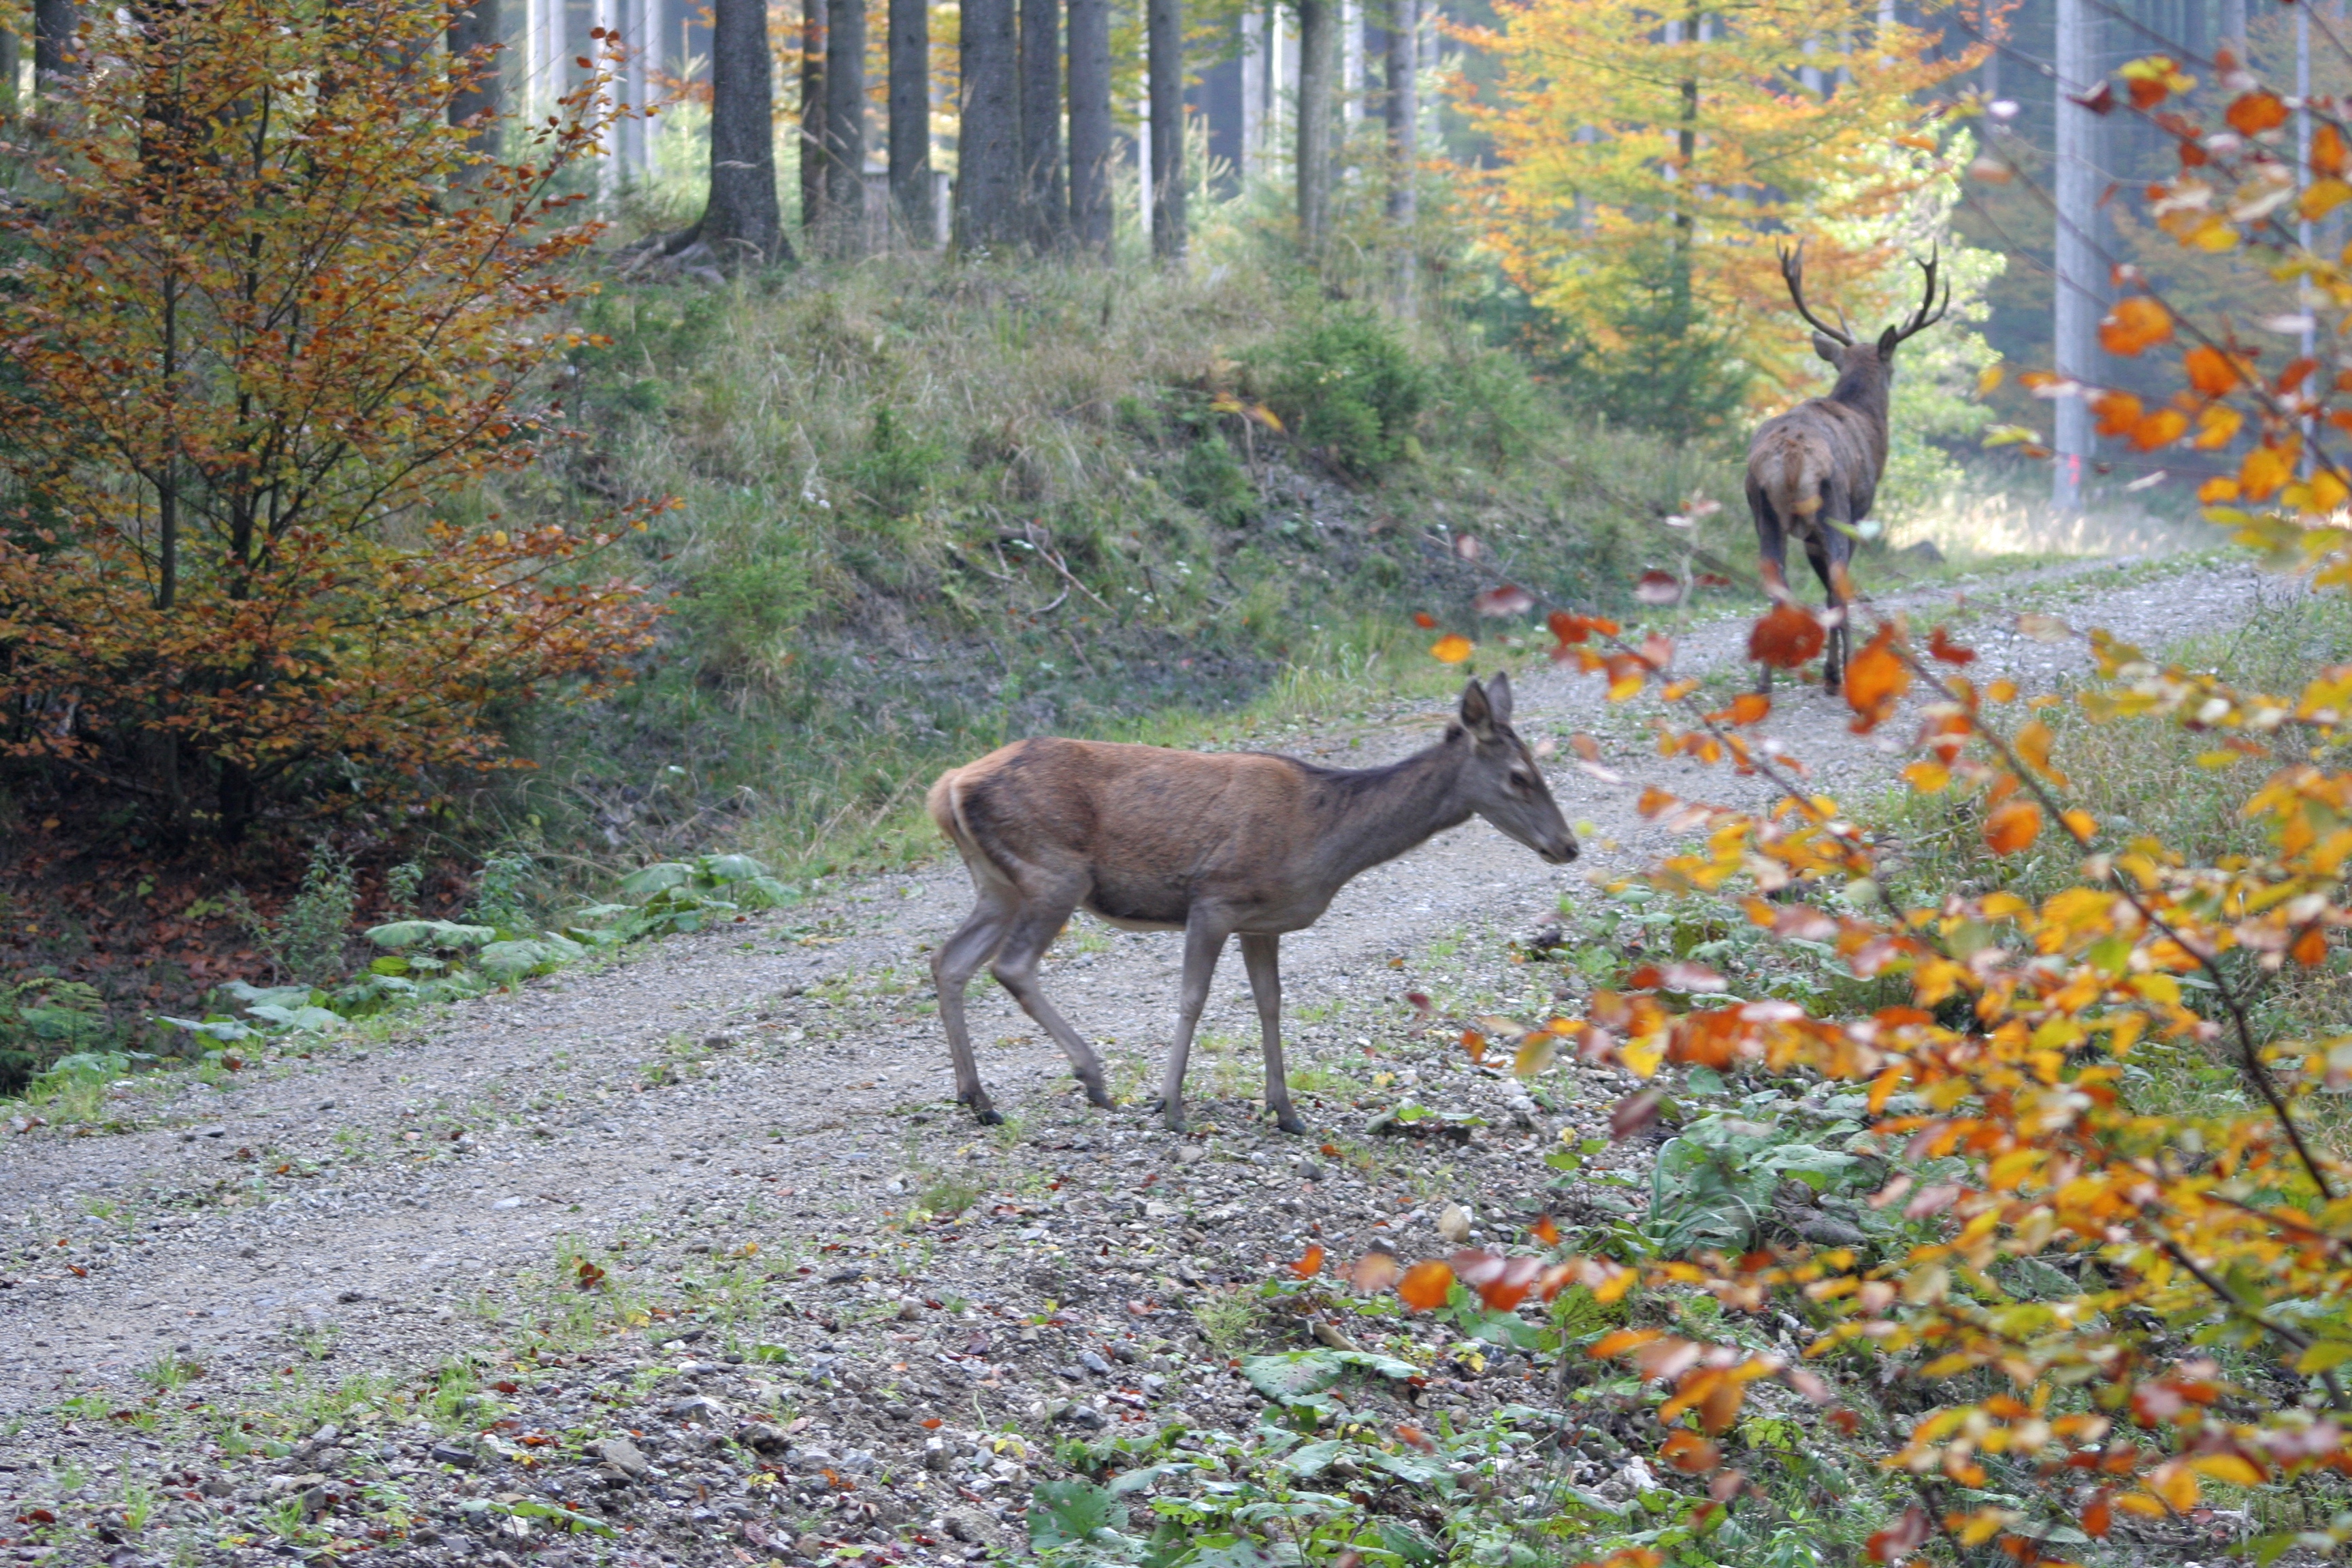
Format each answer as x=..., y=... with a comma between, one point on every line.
x=268, y=319
x=2205, y=1330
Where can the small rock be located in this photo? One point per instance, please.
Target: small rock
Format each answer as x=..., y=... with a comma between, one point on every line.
x=622, y=1454
x=1094, y=1363
x=762, y=1437
x=1823, y=1231
x=1523, y=1111
x=1088, y=1418
x=451, y=1454
x=966, y=1527
x=910, y=1311
x=1453, y=1225
x=1191, y=1154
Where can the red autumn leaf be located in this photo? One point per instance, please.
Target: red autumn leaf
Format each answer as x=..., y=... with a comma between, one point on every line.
x=2135, y=325
x=2098, y=100
x=2211, y=372
x=1419, y=1001
x=1502, y=1283
x=1425, y=1286
x=932, y=1422
x=1786, y=637
x=2099, y=1516
x=1510, y=599
x=1902, y=1538
x=1648, y=977
x=1570, y=628
x=1634, y=1113
x=1545, y=1230
x=2311, y=948
x=1750, y=708
x=1941, y=647
x=1475, y=1044
x=1414, y=1437
x=1424, y=620
x=1655, y=587
x=1712, y=580
x=1310, y=1265
x=1584, y=746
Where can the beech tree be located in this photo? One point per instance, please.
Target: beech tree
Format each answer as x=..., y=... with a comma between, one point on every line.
x=256, y=346
x=53, y=35
x=477, y=99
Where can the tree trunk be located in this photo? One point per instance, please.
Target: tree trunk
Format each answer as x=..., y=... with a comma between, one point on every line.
x=1044, y=206
x=1090, y=125
x=53, y=35
x=988, y=178
x=1318, y=59
x=742, y=221
x=2076, y=287
x=811, y=146
x=911, y=119
x=8, y=58
x=476, y=39
x=1164, y=28
x=844, y=126
x=1404, y=109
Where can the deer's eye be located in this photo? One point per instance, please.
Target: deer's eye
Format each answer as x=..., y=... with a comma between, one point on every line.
x=1522, y=782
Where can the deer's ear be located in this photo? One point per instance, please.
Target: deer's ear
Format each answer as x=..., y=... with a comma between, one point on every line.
x=1886, y=342
x=1478, y=714
x=1499, y=698
x=1828, y=347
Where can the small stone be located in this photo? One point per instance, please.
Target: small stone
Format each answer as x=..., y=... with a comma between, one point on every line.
x=910, y=1311
x=1094, y=1363
x=451, y=1454
x=809, y=1546
x=1523, y=1111
x=762, y=1437
x=1453, y=1225
x=1191, y=1154
x=622, y=1454
x=1087, y=1416
x=1823, y=1231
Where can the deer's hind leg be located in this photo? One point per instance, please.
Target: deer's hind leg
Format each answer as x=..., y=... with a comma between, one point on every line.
x=1771, y=564
x=954, y=964
x=1828, y=548
x=1262, y=956
x=1033, y=930
x=1204, y=943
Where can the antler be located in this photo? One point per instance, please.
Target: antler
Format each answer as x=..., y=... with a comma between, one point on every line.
x=1792, y=272
x=1921, y=318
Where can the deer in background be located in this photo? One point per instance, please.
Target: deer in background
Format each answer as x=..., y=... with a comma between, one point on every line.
x=1814, y=472
x=1212, y=846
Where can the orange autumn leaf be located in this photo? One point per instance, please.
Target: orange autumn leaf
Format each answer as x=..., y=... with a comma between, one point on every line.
x=1686, y=1451
x=2116, y=412
x=1374, y=1272
x=1545, y=1230
x=2327, y=150
x=2160, y=429
x=2135, y=325
x=1874, y=681
x=2255, y=113
x=1424, y=620
x=2012, y=825
x=1425, y=1286
x=2311, y=948
x=2264, y=471
x=2210, y=371
x=1786, y=637
x=1569, y=629
x=1750, y=708
x=1452, y=648
x=1311, y=1264
x=1475, y=1044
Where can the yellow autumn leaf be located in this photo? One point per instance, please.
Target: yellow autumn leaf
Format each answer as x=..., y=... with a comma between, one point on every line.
x=1452, y=648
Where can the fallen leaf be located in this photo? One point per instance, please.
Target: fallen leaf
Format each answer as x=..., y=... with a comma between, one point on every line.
x=1786, y=637
x=1508, y=600
x=1452, y=648
x=1634, y=1113
x=1311, y=1264
x=1425, y=1286
x=1654, y=588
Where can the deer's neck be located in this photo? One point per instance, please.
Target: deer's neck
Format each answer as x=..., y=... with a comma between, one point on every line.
x=1864, y=390
x=1377, y=815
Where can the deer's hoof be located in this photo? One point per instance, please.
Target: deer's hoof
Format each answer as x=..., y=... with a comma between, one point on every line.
x=1099, y=1098
x=1172, y=1118
x=987, y=1116
x=1291, y=1123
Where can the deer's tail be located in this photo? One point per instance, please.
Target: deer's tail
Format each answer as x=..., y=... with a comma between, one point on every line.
x=947, y=812
x=1796, y=490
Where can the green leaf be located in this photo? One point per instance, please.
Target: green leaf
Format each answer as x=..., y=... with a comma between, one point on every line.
x=659, y=877
x=731, y=867
x=303, y=1020
x=533, y=1507
x=1316, y=1458
x=1068, y=1513
x=435, y=934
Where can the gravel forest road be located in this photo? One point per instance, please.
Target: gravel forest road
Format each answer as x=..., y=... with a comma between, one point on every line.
x=737, y=1121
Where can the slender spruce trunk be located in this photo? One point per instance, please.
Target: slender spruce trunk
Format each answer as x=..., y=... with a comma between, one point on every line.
x=911, y=119
x=811, y=146
x=742, y=221
x=53, y=32
x=476, y=41
x=987, y=179
x=1164, y=40
x=844, y=126
x=8, y=68
x=1403, y=108
x=1318, y=60
x=1090, y=125
x=1044, y=204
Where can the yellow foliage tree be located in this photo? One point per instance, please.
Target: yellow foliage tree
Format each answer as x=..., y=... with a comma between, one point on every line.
x=1647, y=163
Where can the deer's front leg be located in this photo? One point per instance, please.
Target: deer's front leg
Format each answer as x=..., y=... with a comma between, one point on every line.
x=1205, y=941
x=1262, y=955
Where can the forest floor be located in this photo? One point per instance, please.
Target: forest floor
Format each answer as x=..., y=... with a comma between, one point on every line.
x=688, y=1258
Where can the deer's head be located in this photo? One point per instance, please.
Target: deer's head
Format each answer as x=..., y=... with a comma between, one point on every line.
x=1860, y=357
x=1501, y=782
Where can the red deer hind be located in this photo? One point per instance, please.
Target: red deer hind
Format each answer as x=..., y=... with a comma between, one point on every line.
x=1244, y=844
x=1812, y=472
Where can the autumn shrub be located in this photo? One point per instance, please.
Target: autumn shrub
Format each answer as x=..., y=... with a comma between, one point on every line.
x=251, y=389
